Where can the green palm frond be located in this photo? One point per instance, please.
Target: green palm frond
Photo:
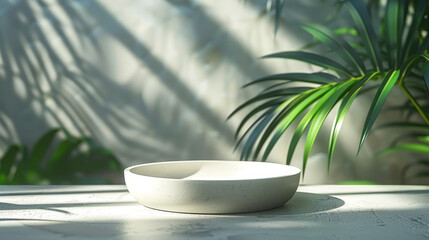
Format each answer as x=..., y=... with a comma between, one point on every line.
x=338, y=45
x=313, y=59
x=367, y=32
x=357, y=54
x=379, y=99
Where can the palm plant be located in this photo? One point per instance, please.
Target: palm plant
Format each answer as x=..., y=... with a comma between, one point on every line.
x=390, y=50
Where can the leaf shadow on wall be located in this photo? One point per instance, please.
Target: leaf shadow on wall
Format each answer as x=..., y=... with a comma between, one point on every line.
x=47, y=80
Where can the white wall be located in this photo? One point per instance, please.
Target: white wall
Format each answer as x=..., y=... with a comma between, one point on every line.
x=154, y=80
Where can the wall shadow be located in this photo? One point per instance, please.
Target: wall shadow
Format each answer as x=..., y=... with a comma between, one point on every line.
x=72, y=93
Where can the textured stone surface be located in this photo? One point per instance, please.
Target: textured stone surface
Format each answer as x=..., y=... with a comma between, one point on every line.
x=315, y=212
x=153, y=80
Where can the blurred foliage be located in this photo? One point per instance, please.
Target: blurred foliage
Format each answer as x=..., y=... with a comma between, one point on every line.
x=414, y=144
x=358, y=182
x=74, y=160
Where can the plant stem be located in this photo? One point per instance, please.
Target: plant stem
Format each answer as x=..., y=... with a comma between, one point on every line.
x=413, y=101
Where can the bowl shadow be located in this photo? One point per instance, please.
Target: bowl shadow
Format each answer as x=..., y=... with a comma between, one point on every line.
x=302, y=203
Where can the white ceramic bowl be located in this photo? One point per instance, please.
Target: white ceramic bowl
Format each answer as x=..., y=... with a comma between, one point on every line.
x=212, y=186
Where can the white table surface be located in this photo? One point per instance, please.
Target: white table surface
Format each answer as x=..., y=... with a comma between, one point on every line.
x=315, y=212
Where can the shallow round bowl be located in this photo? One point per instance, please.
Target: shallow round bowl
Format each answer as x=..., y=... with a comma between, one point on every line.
x=215, y=187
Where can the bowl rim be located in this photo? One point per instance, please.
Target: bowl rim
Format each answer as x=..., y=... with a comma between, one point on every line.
x=128, y=171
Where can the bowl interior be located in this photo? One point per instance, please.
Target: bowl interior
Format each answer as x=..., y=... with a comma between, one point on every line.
x=214, y=170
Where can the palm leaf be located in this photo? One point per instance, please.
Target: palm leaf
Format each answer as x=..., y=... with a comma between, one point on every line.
x=379, y=99
x=395, y=19
x=250, y=142
x=314, y=59
x=274, y=86
x=317, y=116
x=342, y=113
x=299, y=130
x=412, y=61
x=283, y=120
x=318, y=78
x=268, y=104
x=252, y=126
x=258, y=128
x=365, y=28
x=338, y=45
x=270, y=95
x=412, y=36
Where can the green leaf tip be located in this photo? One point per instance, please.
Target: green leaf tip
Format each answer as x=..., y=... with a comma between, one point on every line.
x=376, y=105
